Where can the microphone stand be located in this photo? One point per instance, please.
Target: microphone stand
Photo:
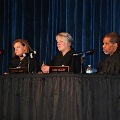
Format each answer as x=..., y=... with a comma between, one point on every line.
x=28, y=57
x=81, y=70
x=81, y=67
x=81, y=61
x=31, y=55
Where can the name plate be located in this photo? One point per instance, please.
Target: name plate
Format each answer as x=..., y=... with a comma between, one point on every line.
x=18, y=70
x=59, y=69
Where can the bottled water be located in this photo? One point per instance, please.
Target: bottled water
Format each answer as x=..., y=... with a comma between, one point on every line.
x=89, y=69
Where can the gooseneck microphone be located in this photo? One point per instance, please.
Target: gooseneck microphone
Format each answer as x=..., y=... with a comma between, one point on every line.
x=30, y=54
x=89, y=52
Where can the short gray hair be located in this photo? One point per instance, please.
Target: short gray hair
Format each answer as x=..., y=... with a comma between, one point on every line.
x=67, y=36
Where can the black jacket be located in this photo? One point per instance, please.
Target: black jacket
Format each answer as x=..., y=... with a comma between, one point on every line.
x=33, y=63
x=74, y=62
x=110, y=65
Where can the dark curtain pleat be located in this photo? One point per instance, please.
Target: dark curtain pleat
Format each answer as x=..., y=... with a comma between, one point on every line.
x=59, y=97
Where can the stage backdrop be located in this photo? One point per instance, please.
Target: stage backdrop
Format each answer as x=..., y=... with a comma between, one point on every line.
x=38, y=21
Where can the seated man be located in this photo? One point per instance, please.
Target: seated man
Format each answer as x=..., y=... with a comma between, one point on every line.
x=111, y=47
x=65, y=56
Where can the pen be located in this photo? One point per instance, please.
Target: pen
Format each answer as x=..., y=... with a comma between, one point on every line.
x=43, y=63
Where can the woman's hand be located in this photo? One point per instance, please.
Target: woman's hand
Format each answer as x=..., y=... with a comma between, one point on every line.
x=45, y=68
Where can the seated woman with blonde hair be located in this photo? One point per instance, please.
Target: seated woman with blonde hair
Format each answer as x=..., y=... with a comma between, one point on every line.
x=20, y=57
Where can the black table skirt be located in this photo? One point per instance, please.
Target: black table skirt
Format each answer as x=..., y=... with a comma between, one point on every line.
x=59, y=96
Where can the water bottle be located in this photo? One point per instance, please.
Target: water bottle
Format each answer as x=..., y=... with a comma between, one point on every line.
x=89, y=69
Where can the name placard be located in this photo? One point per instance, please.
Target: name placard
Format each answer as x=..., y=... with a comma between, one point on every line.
x=59, y=69
x=18, y=70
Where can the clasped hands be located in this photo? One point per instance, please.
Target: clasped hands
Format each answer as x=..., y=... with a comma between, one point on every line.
x=45, y=68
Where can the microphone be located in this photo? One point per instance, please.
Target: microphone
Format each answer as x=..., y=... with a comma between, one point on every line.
x=33, y=52
x=30, y=54
x=1, y=52
x=89, y=52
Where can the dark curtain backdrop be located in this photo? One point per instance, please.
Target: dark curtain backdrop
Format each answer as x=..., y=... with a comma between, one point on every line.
x=38, y=21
